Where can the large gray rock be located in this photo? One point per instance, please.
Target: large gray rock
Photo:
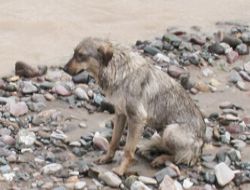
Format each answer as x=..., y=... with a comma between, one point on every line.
x=110, y=179
x=27, y=87
x=223, y=174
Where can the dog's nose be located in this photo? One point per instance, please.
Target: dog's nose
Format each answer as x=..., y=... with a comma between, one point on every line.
x=65, y=68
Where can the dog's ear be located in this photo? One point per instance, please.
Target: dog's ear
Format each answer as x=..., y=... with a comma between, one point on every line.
x=106, y=51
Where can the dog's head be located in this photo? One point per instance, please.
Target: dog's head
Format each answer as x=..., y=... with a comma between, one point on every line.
x=90, y=55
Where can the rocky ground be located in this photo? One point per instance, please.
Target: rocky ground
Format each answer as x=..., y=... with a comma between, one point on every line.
x=53, y=126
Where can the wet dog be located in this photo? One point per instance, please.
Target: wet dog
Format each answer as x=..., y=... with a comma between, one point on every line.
x=142, y=95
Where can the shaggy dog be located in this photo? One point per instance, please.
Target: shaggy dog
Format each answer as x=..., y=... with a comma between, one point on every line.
x=142, y=95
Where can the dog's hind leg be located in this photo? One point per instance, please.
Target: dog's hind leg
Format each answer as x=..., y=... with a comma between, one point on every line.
x=184, y=145
x=119, y=125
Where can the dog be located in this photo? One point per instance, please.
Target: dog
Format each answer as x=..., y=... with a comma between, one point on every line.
x=142, y=95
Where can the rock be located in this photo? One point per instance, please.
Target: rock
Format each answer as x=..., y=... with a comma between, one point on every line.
x=242, y=49
x=209, y=134
x=223, y=174
x=47, y=116
x=226, y=47
x=49, y=97
x=187, y=183
x=57, y=75
x=82, y=77
x=216, y=48
x=75, y=143
x=232, y=41
x=5, y=152
x=60, y=188
x=98, y=99
x=234, y=155
x=232, y=56
x=151, y=50
x=161, y=58
x=58, y=134
x=52, y=168
x=157, y=44
x=46, y=85
x=241, y=85
x=5, y=169
x=238, y=144
x=100, y=142
x=195, y=39
x=48, y=185
x=27, y=87
x=24, y=70
x=208, y=157
x=175, y=71
x=247, y=67
x=80, y=185
x=138, y=185
x=202, y=87
x=26, y=138
x=168, y=184
x=209, y=177
x=61, y=90
x=245, y=37
x=9, y=176
x=166, y=171
x=172, y=39
x=8, y=140
x=81, y=94
x=130, y=180
x=231, y=117
x=37, y=106
x=110, y=179
x=207, y=72
x=83, y=125
x=18, y=109
x=245, y=76
x=226, y=105
x=225, y=138
x=4, y=131
x=234, y=77
x=147, y=180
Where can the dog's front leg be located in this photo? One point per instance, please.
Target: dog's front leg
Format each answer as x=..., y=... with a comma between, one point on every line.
x=119, y=126
x=134, y=133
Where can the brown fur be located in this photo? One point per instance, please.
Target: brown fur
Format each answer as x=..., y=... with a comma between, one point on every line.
x=142, y=95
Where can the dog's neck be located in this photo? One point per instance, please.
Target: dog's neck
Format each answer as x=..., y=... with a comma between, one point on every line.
x=123, y=62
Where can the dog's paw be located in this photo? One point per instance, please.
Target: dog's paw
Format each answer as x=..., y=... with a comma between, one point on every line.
x=104, y=159
x=159, y=161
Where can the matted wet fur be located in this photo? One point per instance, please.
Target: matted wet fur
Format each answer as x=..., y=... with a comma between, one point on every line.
x=142, y=95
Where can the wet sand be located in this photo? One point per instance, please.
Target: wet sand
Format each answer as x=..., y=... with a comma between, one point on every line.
x=45, y=32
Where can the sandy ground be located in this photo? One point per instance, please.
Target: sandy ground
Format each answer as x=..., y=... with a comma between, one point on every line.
x=45, y=32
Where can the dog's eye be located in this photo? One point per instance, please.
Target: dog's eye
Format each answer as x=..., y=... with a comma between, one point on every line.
x=81, y=57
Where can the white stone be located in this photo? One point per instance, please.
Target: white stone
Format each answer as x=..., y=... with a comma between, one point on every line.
x=147, y=180
x=100, y=142
x=110, y=179
x=80, y=185
x=187, y=183
x=138, y=185
x=223, y=173
x=26, y=137
x=52, y=168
